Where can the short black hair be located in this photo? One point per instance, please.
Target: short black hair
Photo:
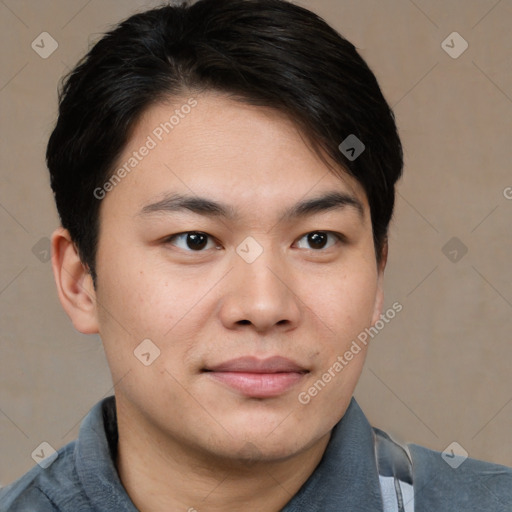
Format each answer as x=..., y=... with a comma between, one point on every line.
x=270, y=53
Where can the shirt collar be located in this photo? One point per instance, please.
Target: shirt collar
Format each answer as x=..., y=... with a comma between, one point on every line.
x=345, y=479
x=95, y=455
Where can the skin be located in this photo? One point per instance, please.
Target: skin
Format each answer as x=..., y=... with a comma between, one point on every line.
x=188, y=441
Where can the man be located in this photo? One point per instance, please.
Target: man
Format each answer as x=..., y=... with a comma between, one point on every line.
x=224, y=174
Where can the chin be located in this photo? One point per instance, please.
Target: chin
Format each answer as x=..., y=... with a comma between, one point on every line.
x=251, y=452
x=273, y=443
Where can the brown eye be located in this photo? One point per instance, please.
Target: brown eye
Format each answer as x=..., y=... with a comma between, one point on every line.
x=190, y=241
x=318, y=240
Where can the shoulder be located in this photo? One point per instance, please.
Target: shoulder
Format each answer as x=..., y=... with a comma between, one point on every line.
x=45, y=488
x=450, y=482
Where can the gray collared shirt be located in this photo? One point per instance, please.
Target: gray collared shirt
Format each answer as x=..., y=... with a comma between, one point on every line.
x=83, y=477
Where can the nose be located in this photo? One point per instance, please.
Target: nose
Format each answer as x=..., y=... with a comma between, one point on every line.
x=260, y=295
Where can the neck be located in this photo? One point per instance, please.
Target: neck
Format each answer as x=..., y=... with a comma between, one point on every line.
x=160, y=474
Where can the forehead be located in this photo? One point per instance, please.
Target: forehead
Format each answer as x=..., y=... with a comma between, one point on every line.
x=211, y=146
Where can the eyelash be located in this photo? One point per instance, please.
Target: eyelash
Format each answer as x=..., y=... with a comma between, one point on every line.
x=338, y=236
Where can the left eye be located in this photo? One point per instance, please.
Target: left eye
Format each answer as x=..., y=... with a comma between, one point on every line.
x=318, y=239
x=191, y=240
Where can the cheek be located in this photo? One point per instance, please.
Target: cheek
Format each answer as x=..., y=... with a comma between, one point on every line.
x=129, y=304
x=138, y=307
x=342, y=313
x=346, y=304
x=141, y=299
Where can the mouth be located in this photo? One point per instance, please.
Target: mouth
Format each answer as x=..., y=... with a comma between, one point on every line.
x=258, y=378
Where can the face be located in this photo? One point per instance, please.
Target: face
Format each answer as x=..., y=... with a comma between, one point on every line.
x=246, y=296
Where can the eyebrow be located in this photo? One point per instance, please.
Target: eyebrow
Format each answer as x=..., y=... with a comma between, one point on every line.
x=210, y=208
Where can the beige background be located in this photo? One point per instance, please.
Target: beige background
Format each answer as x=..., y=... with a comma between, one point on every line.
x=441, y=370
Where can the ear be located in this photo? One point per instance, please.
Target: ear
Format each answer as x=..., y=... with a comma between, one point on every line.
x=379, y=297
x=74, y=283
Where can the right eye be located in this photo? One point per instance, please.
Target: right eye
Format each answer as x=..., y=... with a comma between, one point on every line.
x=190, y=241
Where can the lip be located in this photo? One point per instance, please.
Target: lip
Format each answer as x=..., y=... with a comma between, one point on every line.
x=276, y=364
x=258, y=378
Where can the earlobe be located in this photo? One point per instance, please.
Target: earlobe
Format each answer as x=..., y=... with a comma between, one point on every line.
x=74, y=283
